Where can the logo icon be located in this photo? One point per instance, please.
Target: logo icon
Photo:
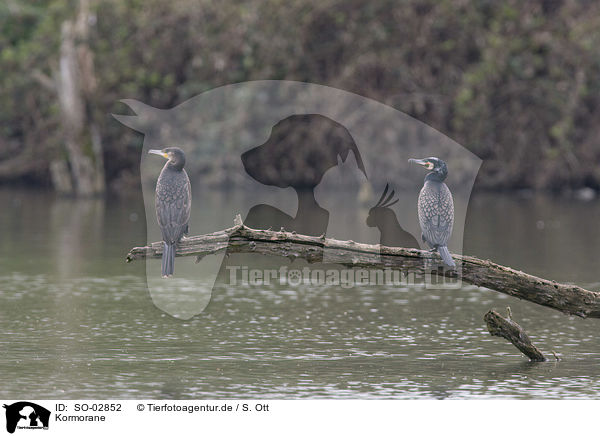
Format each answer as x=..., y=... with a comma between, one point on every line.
x=26, y=415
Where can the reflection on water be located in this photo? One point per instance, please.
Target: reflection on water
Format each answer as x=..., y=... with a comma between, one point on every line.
x=78, y=322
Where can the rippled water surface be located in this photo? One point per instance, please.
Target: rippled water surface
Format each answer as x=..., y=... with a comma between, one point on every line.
x=77, y=322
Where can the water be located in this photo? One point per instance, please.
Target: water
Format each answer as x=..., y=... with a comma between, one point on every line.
x=77, y=322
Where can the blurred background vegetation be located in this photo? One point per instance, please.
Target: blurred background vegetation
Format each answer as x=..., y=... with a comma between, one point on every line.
x=517, y=83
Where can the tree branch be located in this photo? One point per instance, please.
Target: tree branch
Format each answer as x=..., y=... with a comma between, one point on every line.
x=569, y=299
x=511, y=331
x=46, y=81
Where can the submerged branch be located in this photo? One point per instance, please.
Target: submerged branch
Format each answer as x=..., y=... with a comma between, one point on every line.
x=511, y=331
x=569, y=299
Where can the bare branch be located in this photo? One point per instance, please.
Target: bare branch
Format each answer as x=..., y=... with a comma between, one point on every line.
x=569, y=299
x=44, y=80
x=511, y=331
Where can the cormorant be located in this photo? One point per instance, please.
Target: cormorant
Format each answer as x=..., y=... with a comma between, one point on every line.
x=436, y=208
x=173, y=204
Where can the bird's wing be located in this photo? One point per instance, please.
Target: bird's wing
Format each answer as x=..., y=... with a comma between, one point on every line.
x=173, y=205
x=436, y=214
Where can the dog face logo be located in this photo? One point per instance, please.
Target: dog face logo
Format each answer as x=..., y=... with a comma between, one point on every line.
x=312, y=140
x=24, y=414
x=297, y=154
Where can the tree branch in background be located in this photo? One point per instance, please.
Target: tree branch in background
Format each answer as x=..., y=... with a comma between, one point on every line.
x=43, y=79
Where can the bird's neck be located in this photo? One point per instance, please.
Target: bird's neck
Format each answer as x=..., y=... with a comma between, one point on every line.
x=174, y=166
x=435, y=176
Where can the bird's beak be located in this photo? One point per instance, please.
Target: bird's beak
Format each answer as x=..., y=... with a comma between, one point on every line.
x=158, y=152
x=423, y=162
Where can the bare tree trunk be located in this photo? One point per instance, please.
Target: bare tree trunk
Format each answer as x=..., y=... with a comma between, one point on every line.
x=75, y=84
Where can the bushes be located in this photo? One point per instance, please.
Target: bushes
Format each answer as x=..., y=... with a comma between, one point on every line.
x=515, y=82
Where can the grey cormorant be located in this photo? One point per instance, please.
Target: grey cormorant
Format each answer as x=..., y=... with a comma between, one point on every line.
x=173, y=204
x=436, y=208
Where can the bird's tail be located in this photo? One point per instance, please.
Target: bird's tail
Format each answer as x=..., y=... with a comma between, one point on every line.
x=168, y=260
x=443, y=250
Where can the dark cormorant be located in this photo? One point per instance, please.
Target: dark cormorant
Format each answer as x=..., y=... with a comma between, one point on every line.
x=436, y=208
x=173, y=204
